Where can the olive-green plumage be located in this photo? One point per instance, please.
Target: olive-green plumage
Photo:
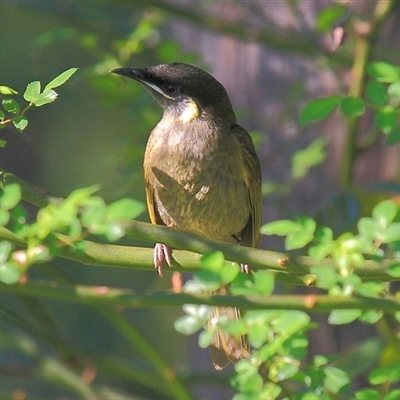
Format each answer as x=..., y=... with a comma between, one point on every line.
x=201, y=170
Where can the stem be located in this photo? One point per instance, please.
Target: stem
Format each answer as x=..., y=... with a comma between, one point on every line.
x=366, y=35
x=90, y=295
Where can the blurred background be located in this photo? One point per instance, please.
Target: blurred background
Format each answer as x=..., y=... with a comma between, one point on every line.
x=272, y=57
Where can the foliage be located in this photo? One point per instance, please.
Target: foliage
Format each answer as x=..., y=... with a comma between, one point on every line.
x=382, y=97
x=13, y=113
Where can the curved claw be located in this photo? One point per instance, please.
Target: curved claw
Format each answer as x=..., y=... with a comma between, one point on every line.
x=162, y=254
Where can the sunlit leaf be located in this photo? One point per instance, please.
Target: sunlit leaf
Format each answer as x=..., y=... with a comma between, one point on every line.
x=394, y=89
x=339, y=317
x=60, y=79
x=20, y=122
x=385, y=212
x=384, y=72
x=6, y=90
x=32, y=91
x=10, y=196
x=9, y=273
x=48, y=96
x=281, y=228
x=386, y=374
x=367, y=394
x=125, y=209
x=335, y=379
x=307, y=158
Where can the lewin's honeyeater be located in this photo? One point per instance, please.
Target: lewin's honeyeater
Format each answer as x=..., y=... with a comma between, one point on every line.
x=201, y=170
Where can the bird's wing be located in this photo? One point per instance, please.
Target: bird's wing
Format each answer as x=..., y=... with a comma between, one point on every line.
x=252, y=175
x=151, y=205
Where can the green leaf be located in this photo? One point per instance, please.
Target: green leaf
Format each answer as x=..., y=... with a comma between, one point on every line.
x=319, y=109
x=290, y=322
x=371, y=316
x=385, y=212
x=213, y=261
x=386, y=374
x=386, y=119
x=304, y=159
x=329, y=16
x=125, y=209
x=367, y=394
x=281, y=228
x=48, y=96
x=394, y=89
x=368, y=227
x=2, y=142
x=384, y=72
x=298, y=240
x=188, y=325
x=376, y=93
x=264, y=282
x=4, y=217
x=394, y=270
x=258, y=333
x=352, y=106
x=325, y=277
x=10, y=196
x=393, y=395
x=32, y=91
x=6, y=91
x=206, y=338
x=5, y=250
x=391, y=233
x=339, y=317
x=335, y=379
x=60, y=79
x=9, y=273
x=283, y=370
x=242, y=285
x=229, y=273
x=20, y=123
x=393, y=137
x=11, y=106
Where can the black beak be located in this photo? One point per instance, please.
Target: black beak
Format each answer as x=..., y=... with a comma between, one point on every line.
x=133, y=73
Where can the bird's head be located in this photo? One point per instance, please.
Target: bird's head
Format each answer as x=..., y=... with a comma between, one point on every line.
x=185, y=91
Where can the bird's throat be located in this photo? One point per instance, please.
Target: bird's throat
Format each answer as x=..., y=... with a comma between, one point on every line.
x=190, y=112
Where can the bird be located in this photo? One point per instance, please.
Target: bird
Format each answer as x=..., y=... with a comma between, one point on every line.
x=202, y=173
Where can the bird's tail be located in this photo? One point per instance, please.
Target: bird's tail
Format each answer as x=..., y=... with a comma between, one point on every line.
x=227, y=348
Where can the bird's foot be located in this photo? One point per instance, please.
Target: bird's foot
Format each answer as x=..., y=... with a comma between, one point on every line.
x=162, y=254
x=245, y=268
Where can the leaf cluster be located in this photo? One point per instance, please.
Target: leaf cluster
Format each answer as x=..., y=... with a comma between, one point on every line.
x=381, y=96
x=63, y=223
x=13, y=112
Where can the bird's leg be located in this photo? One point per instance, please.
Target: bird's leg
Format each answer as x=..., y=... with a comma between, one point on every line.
x=162, y=253
x=243, y=267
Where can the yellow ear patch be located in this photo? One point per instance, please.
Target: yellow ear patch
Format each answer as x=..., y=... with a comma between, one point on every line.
x=190, y=112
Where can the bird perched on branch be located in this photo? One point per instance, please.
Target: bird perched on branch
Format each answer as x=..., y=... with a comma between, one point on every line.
x=201, y=170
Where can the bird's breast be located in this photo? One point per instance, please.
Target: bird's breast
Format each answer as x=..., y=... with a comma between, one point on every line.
x=197, y=182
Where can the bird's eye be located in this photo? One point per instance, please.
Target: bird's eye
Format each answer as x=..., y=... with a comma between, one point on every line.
x=171, y=89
